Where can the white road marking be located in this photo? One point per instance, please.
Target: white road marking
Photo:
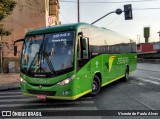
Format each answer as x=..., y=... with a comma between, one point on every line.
x=17, y=100
x=147, y=80
x=9, y=93
x=139, y=83
x=155, y=78
x=10, y=96
x=57, y=103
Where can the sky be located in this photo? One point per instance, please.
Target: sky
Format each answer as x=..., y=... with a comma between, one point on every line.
x=146, y=13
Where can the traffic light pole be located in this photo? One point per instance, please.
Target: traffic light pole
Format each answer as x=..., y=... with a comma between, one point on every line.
x=102, y=17
x=127, y=13
x=118, y=12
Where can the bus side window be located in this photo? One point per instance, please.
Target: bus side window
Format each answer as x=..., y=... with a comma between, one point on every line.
x=78, y=50
x=82, y=52
x=85, y=48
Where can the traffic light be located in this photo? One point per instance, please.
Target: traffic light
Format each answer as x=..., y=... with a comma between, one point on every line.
x=128, y=12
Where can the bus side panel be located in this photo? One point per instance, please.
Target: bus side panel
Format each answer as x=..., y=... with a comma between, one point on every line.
x=83, y=79
x=132, y=62
x=114, y=66
x=112, y=69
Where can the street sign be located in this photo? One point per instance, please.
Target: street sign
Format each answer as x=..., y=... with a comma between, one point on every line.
x=51, y=20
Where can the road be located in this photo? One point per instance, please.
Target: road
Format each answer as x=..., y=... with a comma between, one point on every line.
x=141, y=92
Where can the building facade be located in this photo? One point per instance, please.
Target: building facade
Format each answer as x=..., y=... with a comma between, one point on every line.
x=149, y=51
x=27, y=15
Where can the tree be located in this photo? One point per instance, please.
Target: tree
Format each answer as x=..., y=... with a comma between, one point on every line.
x=6, y=8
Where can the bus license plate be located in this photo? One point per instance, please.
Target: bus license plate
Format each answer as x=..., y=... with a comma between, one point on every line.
x=41, y=97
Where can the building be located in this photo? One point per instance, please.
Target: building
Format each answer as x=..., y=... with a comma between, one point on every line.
x=27, y=15
x=144, y=48
x=149, y=51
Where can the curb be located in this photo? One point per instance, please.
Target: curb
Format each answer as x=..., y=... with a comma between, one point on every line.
x=9, y=86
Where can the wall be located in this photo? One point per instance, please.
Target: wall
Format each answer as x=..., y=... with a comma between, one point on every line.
x=27, y=15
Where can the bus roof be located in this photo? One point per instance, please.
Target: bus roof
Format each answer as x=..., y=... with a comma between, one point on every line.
x=69, y=27
x=57, y=28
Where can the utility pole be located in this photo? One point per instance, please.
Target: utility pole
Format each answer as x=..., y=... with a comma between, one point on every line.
x=1, y=56
x=159, y=38
x=159, y=35
x=78, y=12
x=138, y=39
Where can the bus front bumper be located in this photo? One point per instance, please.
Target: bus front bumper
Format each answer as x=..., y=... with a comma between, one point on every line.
x=52, y=92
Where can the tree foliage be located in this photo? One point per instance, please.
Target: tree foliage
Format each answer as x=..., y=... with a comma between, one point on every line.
x=6, y=8
x=4, y=32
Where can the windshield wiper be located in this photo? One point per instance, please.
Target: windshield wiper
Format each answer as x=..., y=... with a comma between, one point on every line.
x=51, y=67
x=35, y=58
x=33, y=61
x=38, y=57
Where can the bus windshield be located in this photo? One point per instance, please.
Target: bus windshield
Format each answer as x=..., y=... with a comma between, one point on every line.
x=48, y=53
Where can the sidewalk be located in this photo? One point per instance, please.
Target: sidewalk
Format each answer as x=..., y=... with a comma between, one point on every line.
x=9, y=81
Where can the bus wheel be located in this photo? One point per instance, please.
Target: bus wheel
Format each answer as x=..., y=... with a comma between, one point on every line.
x=126, y=77
x=96, y=86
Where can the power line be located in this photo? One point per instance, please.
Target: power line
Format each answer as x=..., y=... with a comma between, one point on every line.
x=112, y=21
x=63, y=17
x=68, y=1
x=147, y=8
x=110, y=2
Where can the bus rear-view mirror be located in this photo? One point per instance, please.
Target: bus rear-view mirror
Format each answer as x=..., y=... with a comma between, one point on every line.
x=15, y=50
x=15, y=47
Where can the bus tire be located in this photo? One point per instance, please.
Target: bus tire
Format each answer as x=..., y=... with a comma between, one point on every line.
x=96, y=86
x=126, y=77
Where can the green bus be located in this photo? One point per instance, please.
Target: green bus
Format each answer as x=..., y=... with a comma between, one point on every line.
x=68, y=61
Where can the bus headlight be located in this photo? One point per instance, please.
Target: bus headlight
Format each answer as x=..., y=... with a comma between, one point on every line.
x=66, y=81
x=22, y=80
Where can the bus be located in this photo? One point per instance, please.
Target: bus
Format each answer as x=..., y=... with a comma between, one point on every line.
x=68, y=61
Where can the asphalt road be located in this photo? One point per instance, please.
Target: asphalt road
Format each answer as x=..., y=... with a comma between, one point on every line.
x=141, y=92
